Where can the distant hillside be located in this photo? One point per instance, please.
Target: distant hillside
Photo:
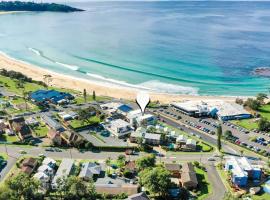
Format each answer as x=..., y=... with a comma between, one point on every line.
x=31, y=6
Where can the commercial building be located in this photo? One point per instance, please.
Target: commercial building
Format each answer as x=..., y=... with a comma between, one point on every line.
x=50, y=96
x=215, y=108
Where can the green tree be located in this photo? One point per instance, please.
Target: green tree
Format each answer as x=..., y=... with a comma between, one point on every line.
x=264, y=124
x=156, y=180
x=22, y=186
x=219, y=135
x=146, y=161
x=261, y=97
x=121, y=160
x=94, y=95
x=20, y=84
x=108, y=164
x=73, y=187
x=254, y=104
x=84, y=95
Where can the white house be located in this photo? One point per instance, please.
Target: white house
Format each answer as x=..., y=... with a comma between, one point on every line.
x=63, y=171
x=181, y=139
x=120, y=127
x=49, y=161
x=146, y=119
x=46, y=170
x=43, y=178
x=133, y=115
x=89, y=170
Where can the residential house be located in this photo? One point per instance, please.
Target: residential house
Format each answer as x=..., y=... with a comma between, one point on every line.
x=52, y=123
x=188, y=176
x=136, y=135
x=46, y=169
x=242, y=170
x=63, y=171
x=152, y=139
x=146, y=119
x=32, y=121
x=68, y=115
x=110, y=107
x=124, y=109
x=3, y=126
x=190, y=145
x=43, y=178
x=28, y=165
x=120, y=128
x=20, y=128
x=49, y=161
x=89, y=170
x=174, y=169
x=114, y=189
x=139, y=196
x=54, y=136
x=181, y=140
x=132, y=116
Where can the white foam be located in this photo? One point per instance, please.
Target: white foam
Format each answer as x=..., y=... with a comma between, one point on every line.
x=35, y=51
x=161, y=87
x=117, y=82
x=72, y=67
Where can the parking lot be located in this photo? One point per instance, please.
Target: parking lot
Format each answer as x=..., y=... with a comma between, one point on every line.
x=240, y=137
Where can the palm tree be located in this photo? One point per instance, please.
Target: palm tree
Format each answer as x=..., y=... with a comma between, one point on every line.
x=108, y=164
x=47, y=78
x=121, y=160
x=20, y=84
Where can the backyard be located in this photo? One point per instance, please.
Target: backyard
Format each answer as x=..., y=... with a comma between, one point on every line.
x=204, y=187
x=76, y=123
x=41, y=130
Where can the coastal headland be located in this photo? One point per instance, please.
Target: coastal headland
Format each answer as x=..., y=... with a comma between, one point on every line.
x=69, y=82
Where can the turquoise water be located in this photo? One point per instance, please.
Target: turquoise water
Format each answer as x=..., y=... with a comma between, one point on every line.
x=206, y=48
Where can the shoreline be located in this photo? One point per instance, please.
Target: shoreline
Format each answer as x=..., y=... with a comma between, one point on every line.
x=69, y=82
x=10, y=12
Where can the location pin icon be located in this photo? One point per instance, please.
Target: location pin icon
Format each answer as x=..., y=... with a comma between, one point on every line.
x=142, y=100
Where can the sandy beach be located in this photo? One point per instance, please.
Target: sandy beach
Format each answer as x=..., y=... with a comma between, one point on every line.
x=10, y=12
x=64, y=81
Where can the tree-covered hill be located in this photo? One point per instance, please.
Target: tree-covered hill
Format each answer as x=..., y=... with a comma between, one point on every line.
x=31, y=6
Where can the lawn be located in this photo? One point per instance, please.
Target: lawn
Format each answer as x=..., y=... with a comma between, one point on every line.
x=80, y=99
x=3, y=156
x=261, y=196
x=9, y=139
x=41, y=130
x=204, y=186
x=265, y=111
x=249, y=124
x=11, y=85
x=76, y=123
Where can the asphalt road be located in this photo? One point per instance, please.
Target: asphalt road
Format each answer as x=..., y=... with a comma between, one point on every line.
x=217, y=184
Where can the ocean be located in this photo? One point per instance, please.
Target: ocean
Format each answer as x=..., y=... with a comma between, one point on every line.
x=198, y=48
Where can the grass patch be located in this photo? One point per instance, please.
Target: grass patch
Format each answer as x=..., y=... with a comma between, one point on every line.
x=9, y=139
x=265, y=111
x=204, y=187
x=41, y=130
x=11, y=85
x=3, y=156
x=76, y=123
x=249, y=124
x=89, y=98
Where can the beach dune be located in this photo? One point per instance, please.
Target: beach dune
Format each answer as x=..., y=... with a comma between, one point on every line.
x=69, y=82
